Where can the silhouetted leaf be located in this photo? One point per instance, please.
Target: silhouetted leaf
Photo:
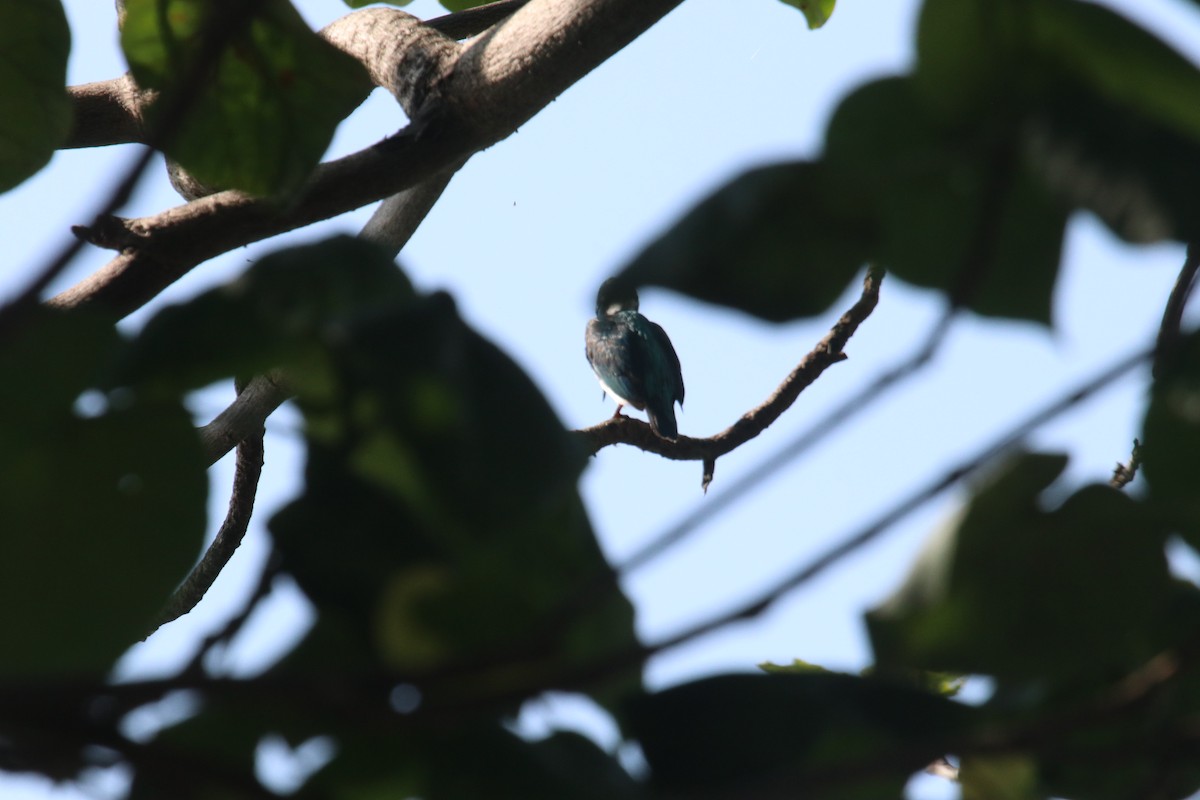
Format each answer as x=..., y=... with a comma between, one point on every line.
x=35, y=41
x=472, y=761
x=1093, y=596
x=957, y=210
x=753, y=734
x=268, y=111
x=103, y=510
x=450, y=485
x=780, y=242
x=275, y=313
x=1000, y=777
x=1103, y=112
x=1171, y=437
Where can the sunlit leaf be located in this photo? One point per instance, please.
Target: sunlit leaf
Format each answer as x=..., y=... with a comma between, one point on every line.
x=816, y=12
x=779, y=242
x=742, y=734
x=267, y=111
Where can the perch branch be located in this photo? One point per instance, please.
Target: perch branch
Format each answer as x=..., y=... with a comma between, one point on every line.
x=828, y=351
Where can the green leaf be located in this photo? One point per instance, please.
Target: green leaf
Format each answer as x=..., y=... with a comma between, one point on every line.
x=817, y=12
x=102, y=514
x=35, y=41
x=270, y=107
x=751, y=734
x=1013, y=590
x=780, y=242
x=958, y=210
x=1171, y=437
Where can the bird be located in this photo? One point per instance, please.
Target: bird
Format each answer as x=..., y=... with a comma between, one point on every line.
x=633, y=358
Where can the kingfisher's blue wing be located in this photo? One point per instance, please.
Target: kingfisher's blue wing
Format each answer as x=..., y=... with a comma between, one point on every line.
x=617, y=357
x=672, y=370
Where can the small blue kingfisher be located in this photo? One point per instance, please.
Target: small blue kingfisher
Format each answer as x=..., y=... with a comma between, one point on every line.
x=633, y=358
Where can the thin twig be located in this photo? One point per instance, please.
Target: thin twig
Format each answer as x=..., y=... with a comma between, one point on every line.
x=1168, y=330
x=266, y=579
x=1123, y=474
x=246, y=474
x=827, y=352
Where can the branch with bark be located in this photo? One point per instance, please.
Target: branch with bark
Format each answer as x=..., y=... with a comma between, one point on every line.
x=461, y=99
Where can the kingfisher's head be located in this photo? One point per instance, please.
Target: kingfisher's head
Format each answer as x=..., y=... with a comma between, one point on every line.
x=616, y=294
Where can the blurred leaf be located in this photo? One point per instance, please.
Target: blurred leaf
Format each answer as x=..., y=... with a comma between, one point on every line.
x=1170, y=439
x=270, y=107
x=1102, y=111
x=273, y=314
x=35, y=41
x=957, y=211
x=1093, y=584
x=363, y=3
x=102, y=514
x=469, y=762
x=780, y=242
x=753, y=734
x=221, y=739
x=425, y=414
x=999, y=777
x=817, y=12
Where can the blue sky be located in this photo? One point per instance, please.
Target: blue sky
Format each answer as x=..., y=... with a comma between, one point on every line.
x=529, y=229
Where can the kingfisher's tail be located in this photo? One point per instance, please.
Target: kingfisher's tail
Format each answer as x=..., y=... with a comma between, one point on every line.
x=662, y=421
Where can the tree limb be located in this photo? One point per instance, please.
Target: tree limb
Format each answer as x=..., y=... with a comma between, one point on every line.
x=500, y=81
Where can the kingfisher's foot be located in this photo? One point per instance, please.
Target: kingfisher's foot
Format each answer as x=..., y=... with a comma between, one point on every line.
x=617, y=413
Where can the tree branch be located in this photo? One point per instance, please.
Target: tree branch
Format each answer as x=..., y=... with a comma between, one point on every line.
x=624, y=430
x=1168, y=329
x=232, y=531
x=113, y=111
x=501, y=80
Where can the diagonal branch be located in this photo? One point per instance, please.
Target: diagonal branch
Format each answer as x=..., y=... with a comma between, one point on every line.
x=827, y=352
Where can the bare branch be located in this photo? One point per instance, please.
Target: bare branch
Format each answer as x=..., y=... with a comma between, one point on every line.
x=109, y=112
x=245, y=417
